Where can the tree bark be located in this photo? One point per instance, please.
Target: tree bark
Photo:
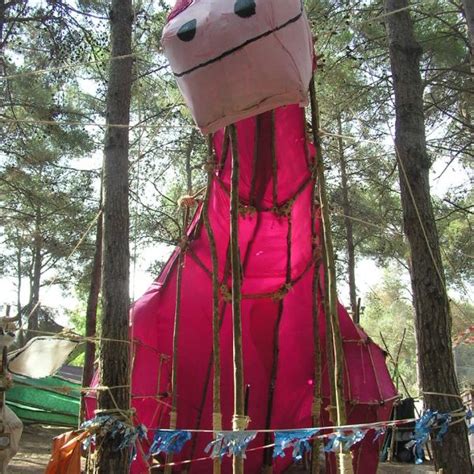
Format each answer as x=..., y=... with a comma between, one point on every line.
x=468, y=7
x=115, y=348
x=432, y=315
x=346, y=206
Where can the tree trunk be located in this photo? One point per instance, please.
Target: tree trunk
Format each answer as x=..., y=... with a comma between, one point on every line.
x=115, y=354
x=432, y=315
x=346, y=206
x=468, y=6
x=2, y=45
x=91, y=311
x=21, y=336
x=34, y=304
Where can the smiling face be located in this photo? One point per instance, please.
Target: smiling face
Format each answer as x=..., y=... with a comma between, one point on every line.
x=254, y=50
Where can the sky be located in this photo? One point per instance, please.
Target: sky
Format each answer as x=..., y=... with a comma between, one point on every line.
x=368, y=274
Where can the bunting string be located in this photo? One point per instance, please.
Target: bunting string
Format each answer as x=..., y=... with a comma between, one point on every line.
x=431, y=425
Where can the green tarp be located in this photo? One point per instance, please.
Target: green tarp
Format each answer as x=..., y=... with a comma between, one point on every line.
x=50, y=400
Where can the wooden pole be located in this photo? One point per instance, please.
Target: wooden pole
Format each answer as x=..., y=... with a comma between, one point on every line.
x=91, y=311
x=344, y=460
x=239, y=419
x=268, y=453
x=177, y=320
x=317, y=399
x=216, y=354
x=6, y=340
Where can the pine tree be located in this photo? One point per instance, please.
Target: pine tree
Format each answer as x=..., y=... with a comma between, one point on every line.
x=432, y=312
x=114, y=359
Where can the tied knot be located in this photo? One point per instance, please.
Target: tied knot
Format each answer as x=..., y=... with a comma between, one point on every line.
x=125, y=416
x=210, y=165
x=186, y=201
x=6, y=382
x=183, y=243
x=247, y=210
x=317, y=255
x=226, y=293
x=240, y=422
x=284, y=210
x=282, y=292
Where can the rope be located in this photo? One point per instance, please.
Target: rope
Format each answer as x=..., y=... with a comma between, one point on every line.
x=82, y=339
x=240, y=422
x=459, y=413
x=78, y=123
x=324, y=133
x=418, y=215
x=438, y=394
x=38, y=72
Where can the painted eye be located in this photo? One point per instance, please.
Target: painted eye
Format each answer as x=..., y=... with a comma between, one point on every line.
x=187, y=32
x=245, y=8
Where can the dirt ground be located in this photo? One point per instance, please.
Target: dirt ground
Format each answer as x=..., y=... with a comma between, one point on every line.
x=35, y=446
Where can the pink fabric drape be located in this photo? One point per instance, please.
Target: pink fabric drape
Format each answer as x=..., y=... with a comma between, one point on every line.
x=369, y=391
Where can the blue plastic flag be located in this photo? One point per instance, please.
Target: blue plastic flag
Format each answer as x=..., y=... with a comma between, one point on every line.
x=379, y=433
x=298, y=439
x=231, y=443
x=124, y=436
x=470, y=425
x=169, y=442
x=443, y=421
x=346, y=441
x=423, y=428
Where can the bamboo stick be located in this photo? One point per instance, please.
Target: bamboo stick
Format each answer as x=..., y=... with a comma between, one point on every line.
x=239, y=419
x=268, y=453
x=222, y=312
x=344, y=465
x=177, y=317
x=317, y=400
x=216, y=355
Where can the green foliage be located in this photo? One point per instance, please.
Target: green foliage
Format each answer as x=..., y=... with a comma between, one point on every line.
x=388, y=318
x=49, y=171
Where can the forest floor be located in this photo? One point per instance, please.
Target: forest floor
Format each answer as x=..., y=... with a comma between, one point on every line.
x=35, y=448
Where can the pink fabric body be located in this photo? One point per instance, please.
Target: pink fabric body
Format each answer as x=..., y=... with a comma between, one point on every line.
x=219, y=71
x=369, y=391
